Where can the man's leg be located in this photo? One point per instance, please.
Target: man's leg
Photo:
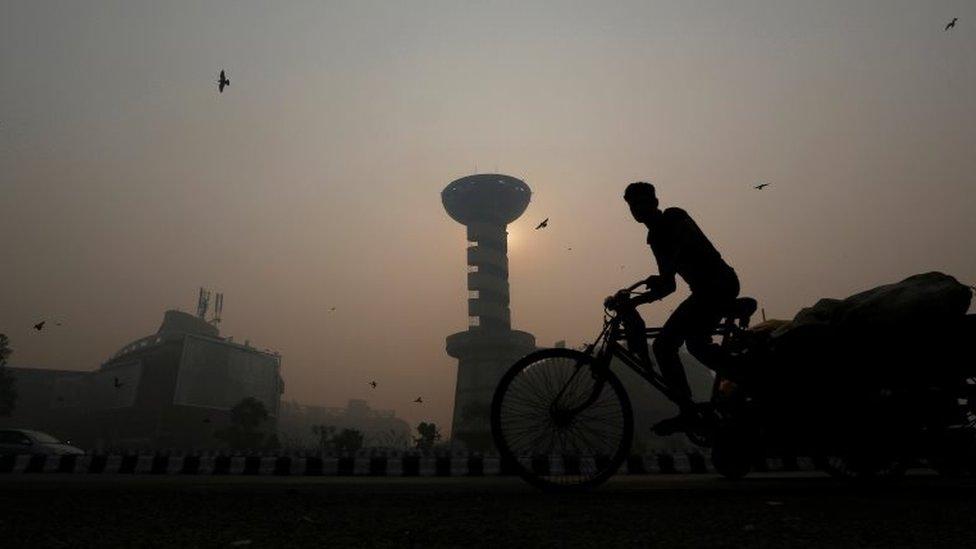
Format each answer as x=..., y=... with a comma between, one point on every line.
x=706, y=317
x=684, y=325
x=666, y=346
x=700, y=344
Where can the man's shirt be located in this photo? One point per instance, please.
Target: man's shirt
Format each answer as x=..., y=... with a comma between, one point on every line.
x=681, y=248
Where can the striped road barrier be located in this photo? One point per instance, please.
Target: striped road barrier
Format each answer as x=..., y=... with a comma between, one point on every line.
x=377, y=466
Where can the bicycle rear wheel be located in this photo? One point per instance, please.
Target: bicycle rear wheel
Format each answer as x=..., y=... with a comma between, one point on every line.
x=550, y=447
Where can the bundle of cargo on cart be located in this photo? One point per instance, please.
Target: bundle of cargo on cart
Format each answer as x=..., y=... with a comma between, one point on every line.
x=868, y=385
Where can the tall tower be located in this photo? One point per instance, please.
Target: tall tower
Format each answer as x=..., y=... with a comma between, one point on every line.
x=485, y=204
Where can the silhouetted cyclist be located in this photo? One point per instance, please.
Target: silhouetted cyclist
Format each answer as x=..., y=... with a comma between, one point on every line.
x=681, y=248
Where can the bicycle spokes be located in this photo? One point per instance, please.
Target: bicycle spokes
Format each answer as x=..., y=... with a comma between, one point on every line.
x=556, y=408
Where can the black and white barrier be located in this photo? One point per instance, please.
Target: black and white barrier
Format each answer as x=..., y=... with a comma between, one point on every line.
x=408, y=465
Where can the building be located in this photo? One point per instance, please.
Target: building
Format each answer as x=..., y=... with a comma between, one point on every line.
x=485, y=204
x=171, y=389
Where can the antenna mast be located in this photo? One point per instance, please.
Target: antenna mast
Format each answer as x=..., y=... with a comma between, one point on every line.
x=218, y=308
x=203, y=303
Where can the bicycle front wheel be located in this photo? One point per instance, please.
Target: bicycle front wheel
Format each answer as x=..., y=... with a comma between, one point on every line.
x=542, y=429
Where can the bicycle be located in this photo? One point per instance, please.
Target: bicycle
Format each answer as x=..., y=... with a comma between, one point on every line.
x=563, y=419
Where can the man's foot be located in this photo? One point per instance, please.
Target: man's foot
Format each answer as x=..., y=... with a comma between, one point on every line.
x=681, y=423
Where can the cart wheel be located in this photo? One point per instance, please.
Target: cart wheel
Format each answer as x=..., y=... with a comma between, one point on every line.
x=956, y=452
x=732, y=455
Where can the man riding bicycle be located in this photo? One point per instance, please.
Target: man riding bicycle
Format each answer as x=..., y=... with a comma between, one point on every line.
x=680, y=248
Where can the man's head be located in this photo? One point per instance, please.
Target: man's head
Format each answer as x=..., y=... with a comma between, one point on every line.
x=642, y=200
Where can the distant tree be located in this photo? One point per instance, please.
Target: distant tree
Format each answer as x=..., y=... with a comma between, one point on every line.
x=392, y=438
x=348, y=440
x=8, y=383
x=246, y=420
x=429, y=435
x=249, y=414
x=325, y=434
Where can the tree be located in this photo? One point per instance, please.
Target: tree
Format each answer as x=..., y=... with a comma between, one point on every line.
x=246, y=419
x=325, y=434
x=429, y=435
x=348, y=440
x=8, y=383
x=249, y=414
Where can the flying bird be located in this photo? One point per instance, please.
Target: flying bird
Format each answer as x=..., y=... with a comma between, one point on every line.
x=569, y=249
x=952, y=24
x=543, y=225
x=331, y=309
x=372, y=384
x=117, y=384
x=420, y=400
x=761, y=186
x=40, y=325
x=223, y=81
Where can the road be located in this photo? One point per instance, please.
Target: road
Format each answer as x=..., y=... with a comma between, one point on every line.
x=773, y=510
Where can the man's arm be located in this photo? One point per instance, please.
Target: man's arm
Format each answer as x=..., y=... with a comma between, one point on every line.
x=663, y=285
x=660, y=285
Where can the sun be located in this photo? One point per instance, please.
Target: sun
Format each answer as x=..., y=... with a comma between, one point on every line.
x=514, y=238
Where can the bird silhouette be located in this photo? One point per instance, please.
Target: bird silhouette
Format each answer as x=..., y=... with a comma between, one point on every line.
x=331, y=309
x=952, y=24
x=117, y=384
x=40, y=325
x=420, y=400
x=543, y=225
x=222, y=82
x=569, y=249
x=761, y=186
x=372, y=384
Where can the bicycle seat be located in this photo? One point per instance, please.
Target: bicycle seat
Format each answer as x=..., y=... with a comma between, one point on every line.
x=741, y=310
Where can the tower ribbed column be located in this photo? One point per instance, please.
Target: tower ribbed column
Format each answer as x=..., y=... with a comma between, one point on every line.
x=488, y=277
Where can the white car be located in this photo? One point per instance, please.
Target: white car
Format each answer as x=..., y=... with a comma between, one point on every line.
x=23, y=441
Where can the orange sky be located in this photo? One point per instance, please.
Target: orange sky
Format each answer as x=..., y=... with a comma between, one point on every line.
x=314, y=180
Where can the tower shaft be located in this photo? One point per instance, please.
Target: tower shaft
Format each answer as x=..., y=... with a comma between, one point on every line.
x=488, y=277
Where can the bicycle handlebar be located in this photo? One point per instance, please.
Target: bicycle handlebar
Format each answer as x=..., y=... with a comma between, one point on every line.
x=634, y=286
x=609, y=301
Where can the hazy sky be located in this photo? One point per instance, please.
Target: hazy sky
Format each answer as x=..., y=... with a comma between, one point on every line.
x=126, y=181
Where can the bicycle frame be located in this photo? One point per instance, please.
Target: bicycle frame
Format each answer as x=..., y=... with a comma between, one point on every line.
x=608, y=345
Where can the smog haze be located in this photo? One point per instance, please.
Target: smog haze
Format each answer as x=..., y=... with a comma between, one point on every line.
x=313, y=181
